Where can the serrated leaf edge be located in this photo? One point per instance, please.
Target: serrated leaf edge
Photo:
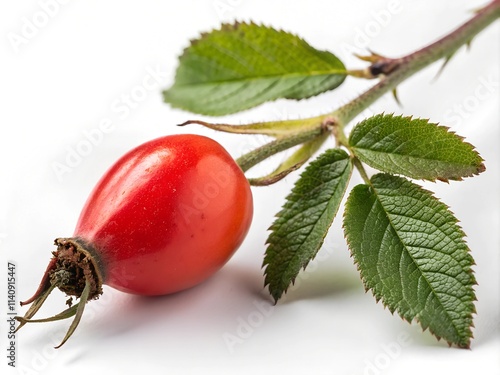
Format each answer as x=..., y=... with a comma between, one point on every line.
x=277, y=296
x=378, y=298
x=480, y=168
x=233, y=27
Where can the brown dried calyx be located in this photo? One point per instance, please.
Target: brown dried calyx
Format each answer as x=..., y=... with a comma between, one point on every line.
x=75, y=266
x=75, y=270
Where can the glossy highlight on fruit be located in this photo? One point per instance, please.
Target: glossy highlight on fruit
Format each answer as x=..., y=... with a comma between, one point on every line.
x=163, y=218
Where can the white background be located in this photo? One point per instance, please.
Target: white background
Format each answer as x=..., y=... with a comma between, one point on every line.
x=73, y=72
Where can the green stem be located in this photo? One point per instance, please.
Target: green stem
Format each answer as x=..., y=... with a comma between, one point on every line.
x=361, y=169
x=408, y=65
x=254, y=157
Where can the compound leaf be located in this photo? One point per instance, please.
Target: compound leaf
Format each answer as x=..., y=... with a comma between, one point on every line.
x=414, y=148
x=302, y=224
x=243, y=65
x=411, y=254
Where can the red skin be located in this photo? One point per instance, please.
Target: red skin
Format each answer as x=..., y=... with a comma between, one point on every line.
x=167, y=215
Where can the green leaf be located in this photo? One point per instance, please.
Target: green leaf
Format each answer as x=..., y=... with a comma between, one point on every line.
x=414, y=148
x=302, y=224
x=243, y=65
x=411, y=254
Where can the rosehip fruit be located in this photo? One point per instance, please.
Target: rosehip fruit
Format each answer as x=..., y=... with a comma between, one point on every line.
x=163, y=218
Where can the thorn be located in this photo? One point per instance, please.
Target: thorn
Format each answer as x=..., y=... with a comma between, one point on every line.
x=468, y=44
x=395, y=96
x=372, y=57
x=445, y=63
